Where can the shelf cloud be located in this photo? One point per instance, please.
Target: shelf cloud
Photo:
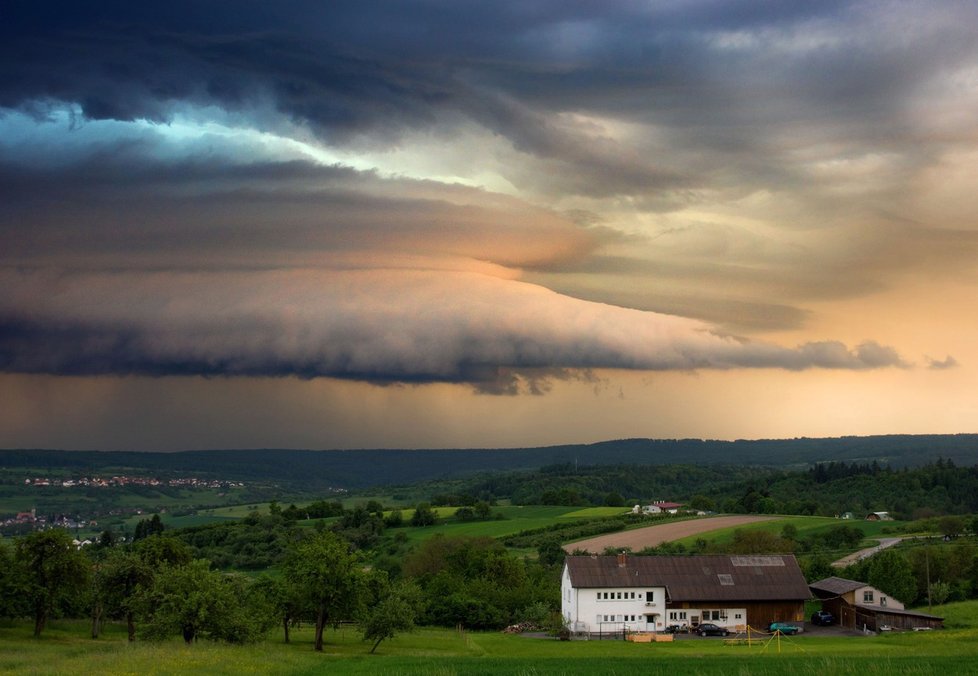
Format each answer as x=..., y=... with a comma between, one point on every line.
x=376, y=325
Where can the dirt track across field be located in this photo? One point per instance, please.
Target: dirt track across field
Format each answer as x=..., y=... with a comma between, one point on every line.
x=652, y=536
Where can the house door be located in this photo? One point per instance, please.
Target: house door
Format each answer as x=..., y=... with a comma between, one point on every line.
x=694, y=620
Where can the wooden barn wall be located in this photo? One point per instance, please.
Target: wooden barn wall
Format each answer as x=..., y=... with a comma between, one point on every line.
x=759, y=613
x=873, y=619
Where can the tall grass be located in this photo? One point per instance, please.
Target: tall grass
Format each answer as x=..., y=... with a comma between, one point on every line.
x=65, y=649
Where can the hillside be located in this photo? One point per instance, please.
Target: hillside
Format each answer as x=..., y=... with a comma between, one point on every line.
x=308, y=469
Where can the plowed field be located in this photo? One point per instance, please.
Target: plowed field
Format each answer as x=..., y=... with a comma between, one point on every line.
x=653, y=536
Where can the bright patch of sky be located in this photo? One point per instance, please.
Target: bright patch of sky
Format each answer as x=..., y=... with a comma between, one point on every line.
x=62, y=135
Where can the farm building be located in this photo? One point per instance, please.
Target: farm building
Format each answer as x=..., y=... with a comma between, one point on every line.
x=601, y=594
x=661, y=507
x=879, y=516
x=859, y=605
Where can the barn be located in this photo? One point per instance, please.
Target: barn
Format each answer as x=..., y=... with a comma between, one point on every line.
x=858, y=605
x=601, y=594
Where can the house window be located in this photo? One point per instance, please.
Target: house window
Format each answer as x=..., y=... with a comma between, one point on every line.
x=672, y=616
x=737, y=616
x=649, y=597
x=867, y=597
x=716, y=615
x=605, y=618
x=882, y=600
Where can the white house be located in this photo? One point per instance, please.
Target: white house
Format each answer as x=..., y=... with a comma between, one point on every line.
x=601, y=594
x=855, y=592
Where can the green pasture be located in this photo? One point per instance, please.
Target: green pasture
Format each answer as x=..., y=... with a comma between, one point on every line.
x=64, y=648
x=515, y=519
x=596, y=512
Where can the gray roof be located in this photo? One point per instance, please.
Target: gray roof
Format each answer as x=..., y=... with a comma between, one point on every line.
x=696, y=578
x=836, y=585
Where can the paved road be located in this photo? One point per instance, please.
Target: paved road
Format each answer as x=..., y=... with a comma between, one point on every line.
x=865, y=553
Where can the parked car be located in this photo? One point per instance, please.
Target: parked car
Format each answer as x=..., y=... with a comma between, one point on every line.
x=823, y=618
x=677, y=629
x=784, y=628
x=710, y=629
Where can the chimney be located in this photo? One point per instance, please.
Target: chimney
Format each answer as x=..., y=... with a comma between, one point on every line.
x=621, y=559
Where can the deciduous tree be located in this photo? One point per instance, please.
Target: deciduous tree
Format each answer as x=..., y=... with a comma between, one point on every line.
x=119, y=579
x=195, y=601
x=423, y=515
x=323, y=570
x=392, y=610
x=52, y=570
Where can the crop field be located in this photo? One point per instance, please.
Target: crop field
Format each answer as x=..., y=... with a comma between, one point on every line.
x=651, y=536
x=65, y=648
x=806, y=525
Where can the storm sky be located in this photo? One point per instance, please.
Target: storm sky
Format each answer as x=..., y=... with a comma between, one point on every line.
x=454, y=224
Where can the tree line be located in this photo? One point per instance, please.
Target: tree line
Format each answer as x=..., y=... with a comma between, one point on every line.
x=159, y=589
x=826, y=489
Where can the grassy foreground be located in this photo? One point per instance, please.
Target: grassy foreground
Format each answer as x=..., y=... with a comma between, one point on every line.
x=65, y=649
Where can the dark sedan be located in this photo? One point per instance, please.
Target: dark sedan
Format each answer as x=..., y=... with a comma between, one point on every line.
x=823, y=618
x=710, y=629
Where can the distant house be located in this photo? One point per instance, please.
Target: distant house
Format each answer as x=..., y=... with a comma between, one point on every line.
x=857, y=605
x=879, y=516
x=847, y=515
x=662, y=507
x=603, y=594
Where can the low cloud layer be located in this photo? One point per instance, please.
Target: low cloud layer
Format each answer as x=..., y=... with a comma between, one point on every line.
x=400, y=326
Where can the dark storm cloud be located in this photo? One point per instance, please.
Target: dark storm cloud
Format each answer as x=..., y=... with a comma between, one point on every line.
x=121, y=209
x=116, y=264
x=118, y=261
x=724, y=84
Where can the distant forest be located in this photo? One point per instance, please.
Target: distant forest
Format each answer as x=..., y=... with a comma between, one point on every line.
x=305, y=470
x=827, y=489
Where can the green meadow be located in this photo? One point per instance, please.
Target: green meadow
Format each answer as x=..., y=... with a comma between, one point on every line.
x=65, y=649
x=515, y=519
